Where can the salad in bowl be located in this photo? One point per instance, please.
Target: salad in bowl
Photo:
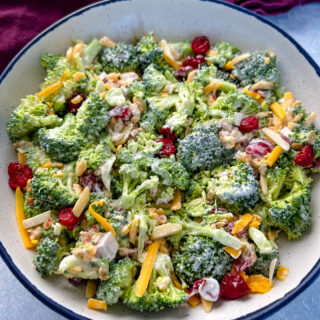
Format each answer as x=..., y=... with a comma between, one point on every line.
x=162, y=173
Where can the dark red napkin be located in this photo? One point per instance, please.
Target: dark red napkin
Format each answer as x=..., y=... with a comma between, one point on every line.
x=22, y=20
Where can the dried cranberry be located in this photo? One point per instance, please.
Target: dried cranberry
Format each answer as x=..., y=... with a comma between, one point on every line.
x=182, y=73
x=167, y=149
x=91, y=181
x=19, y=175
x=217, y=210
x=249, y=124
x=200, y=44
x=233, y=286
x=259, y=147
x=167, y=134
x=68, y=219
x=305, y=157
x=73, y=107
x=121, y=112
x=195, y=288
x=193, y=62
x=75, y=281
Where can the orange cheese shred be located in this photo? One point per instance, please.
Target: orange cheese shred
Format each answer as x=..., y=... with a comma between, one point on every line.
x=22, y=158
x=49, y=90
x=255, y=222
x=258, y=283
x=282, y=273
x=105, y=224
x=241, y=223
x=194, y=301
x=175, y=64
x=175, y=281
x=20, y=217
x=97, y=304
x=143, y=280
x=288, y=100
x=233, y=252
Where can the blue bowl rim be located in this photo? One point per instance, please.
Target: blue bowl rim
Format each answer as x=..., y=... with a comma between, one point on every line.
x=266, y=311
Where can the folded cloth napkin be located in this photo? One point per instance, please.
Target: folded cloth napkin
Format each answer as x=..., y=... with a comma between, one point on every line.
x=22, y=20
x=270, y=7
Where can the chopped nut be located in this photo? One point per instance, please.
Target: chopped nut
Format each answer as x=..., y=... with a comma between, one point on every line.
x=134, y=230
x=311, y=119
x=296, y=146
x=77, y=188
x=81, y=167
x=81, y=202
x=262, y=85
x=263, y=114
x=297, y=118
x=176, y=202
x=311, y=137
x=165, y=230
x=240, y=58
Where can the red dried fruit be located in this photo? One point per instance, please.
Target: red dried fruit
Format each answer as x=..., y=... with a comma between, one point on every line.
x=68, y=219
x=19, y=175
x=167, y=134
x=193, y=62
x=200, y=44
x=249, y=124
x=259, y=147
x=75, y=281
x=121, y=112
x=182, y=73
x=305, y=157
x=91, y=181
x=167, y=149
x=73, y=107
x=233, y=286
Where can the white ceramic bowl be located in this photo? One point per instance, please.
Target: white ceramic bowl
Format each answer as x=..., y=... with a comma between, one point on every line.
x=173, y=20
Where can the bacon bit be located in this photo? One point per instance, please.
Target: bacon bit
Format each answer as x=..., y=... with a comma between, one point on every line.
x=48, y=223
x=241, y=223
x=258, y=283
x=282, y=273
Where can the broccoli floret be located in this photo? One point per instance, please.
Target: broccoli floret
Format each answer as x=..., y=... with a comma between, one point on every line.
x=153, y=80
x=35, y=158
x=254, y=69
x=177, y=122
x=149, y=51
x=120, y=278
x=31, y=206
x=161, y=293
x=226, y=52
x=172, y=173
x=165, y=196
x=201, y=257
x=236, y=187
x=120, y=58
x=115, y=97
x=48, y=256
x=202, y=149
x=134, y=184
x=62, y=143
x=145, y=146
x=227, y=104
x=96, y=155
x=206, y=74
x=291, y=212
x=192, y=228
x=55, y=66
x=92, y=116
x=197, y=207
x=262, y=264
x=30, y=116
x=198, y=184
x=53, y=192
x=153, y=121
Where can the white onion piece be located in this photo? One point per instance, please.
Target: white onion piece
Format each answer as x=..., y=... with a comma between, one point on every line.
x=209, y=289
x=238, y=117
x=286, y=132
x=276, y=138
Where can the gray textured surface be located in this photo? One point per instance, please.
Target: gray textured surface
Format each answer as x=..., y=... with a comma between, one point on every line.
x=303, y=23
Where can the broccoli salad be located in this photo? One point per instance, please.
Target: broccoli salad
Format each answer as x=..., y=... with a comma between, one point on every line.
x=161, y=173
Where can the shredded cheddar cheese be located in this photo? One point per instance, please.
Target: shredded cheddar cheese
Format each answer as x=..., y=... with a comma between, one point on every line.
x=282, y=273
